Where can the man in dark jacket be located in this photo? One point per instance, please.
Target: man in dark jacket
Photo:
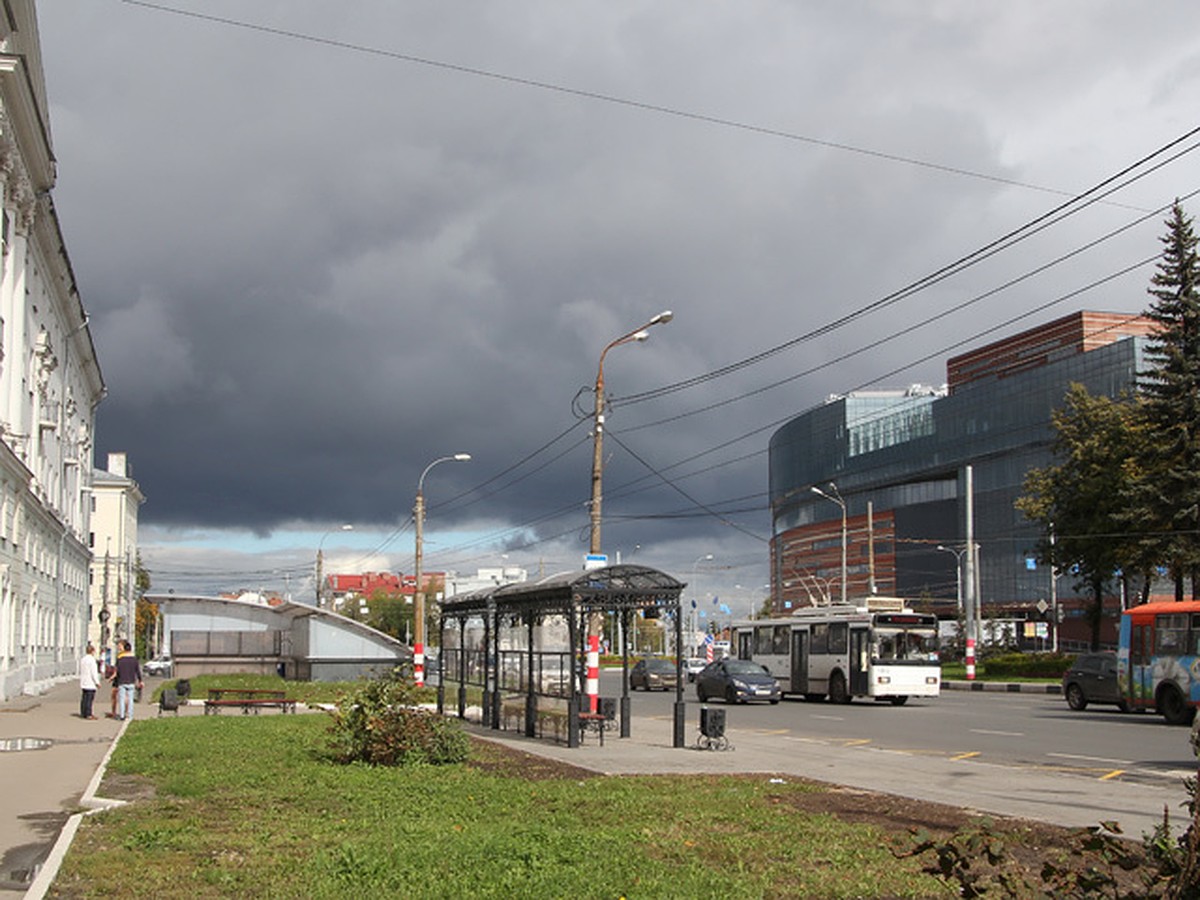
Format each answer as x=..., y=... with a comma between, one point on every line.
x=129, y=680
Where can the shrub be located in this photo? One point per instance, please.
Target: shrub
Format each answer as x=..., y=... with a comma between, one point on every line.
x=381, y=724
x=1029, y=665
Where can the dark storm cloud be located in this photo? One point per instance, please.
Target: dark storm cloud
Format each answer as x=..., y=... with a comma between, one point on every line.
x=313, y=269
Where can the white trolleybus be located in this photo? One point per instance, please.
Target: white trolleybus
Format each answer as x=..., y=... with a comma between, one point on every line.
x=881, y=650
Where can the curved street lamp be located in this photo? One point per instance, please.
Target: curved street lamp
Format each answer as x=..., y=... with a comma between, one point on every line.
x=837, y=498
x=419, y=590
x=596, y=620
x=321, y=558
x=638, y=334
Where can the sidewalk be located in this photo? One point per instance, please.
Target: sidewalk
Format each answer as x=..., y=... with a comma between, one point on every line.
x=48, y=759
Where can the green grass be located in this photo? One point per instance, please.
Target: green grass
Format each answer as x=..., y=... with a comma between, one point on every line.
x=250, y=807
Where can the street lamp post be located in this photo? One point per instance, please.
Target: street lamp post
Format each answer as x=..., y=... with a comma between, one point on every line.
x=705, y=557
x=638, y=334
x=837, y=498
x=419, y=590
x=321, y=559
x=958, y=555
x=596, y=621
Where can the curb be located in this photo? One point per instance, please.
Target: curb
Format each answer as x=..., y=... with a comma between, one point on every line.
x=1006, y=687
x=92, y=804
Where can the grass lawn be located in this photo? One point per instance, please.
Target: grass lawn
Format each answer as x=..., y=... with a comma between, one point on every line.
x=235, y=806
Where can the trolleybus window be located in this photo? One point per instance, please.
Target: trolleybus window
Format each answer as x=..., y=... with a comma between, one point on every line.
x=839, y=637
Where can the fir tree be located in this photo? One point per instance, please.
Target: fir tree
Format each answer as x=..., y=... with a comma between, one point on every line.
x=1171, y=389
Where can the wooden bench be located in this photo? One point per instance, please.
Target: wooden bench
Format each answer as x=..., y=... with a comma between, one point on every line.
x=248, y=699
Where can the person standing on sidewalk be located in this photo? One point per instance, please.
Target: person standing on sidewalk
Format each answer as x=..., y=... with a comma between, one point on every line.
x=89, y=680
x=129, y=680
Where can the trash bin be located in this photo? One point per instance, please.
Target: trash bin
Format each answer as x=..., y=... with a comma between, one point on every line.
x=607, y=707
x=712, y=722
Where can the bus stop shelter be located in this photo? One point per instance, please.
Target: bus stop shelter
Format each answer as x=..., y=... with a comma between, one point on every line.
x=478, y=631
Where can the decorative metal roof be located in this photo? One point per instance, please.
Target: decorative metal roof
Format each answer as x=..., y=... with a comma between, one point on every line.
x=611, y=587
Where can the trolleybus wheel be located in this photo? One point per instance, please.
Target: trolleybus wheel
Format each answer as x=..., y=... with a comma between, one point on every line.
x=1173, y=707
x=899, y=701
x=837, y=689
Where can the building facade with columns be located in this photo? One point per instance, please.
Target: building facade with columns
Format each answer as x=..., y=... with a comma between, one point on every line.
x=50, y=385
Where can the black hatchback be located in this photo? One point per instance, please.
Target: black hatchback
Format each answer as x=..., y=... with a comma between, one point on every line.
x=1092, y=678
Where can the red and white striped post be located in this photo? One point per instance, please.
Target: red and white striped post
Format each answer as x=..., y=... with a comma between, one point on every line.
x=593, y=672
x=970, y=659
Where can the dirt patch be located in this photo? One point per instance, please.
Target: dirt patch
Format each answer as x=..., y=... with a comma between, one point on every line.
x=129, y=788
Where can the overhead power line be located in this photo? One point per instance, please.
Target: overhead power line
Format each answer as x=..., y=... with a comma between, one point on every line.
x=598, y=96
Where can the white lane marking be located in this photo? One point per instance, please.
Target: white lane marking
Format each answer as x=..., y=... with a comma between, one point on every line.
x=1001, y=733
x=1099, y=759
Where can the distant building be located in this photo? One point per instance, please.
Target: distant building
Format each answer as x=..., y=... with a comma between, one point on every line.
x=343, y=589
x=898, y=459
x=116, y=499
x=213, y=635
x=492, y=576
x=50, y=385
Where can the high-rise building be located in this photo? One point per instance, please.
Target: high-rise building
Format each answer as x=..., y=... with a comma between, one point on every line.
x=892, y=465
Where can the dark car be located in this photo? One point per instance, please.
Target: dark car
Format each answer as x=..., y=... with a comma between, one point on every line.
x=737, y=680
x=652, y=673
x=1092, y=678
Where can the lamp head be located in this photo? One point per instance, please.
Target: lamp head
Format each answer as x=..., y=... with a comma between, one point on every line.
x=461, y=457
x=663, y=317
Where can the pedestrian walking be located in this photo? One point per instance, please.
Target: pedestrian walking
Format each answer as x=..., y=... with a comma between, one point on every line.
x=89, y=680
x=129, y=680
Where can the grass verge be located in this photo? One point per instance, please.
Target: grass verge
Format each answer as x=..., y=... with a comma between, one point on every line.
x=251, y=807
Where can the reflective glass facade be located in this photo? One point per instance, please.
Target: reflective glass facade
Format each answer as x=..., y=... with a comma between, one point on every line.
x=905, y=454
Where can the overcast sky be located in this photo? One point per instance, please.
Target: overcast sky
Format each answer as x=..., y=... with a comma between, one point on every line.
x=324, y=245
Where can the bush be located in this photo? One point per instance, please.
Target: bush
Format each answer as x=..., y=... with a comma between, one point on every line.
x=381, y=724
x=1029, y=665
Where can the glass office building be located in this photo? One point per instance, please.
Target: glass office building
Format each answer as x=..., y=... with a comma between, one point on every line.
x=892, y=466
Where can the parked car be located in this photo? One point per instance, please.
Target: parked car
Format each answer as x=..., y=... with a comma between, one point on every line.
x=159, y=666
x=653, y=673
x=1092, y=678
x=737, y=680
x=693, y=666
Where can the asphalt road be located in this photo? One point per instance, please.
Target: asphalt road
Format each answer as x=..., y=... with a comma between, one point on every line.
x=1021, y=730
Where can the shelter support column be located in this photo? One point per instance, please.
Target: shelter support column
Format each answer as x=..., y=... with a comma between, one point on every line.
x=625, y=706
x=680, y=705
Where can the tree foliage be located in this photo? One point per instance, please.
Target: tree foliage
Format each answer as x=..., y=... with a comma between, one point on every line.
x=1080, y=499
x=1169, y=497
x=1124, y=493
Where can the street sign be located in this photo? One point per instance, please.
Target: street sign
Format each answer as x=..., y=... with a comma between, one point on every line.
x=595, y=561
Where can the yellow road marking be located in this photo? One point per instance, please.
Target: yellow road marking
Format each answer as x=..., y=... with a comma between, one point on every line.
x=966, y=755
x=1113, y=774
x=857, y=743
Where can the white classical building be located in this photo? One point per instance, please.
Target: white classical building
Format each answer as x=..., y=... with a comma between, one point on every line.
x=116, y=498
x=50, y=384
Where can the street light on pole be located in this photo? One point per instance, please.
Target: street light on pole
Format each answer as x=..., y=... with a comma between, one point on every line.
x=958, y=555
x=695, y=566
x=837, y=498
x=596, y=621
x=638, y=334
x=321, y=558
x=419, y=590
